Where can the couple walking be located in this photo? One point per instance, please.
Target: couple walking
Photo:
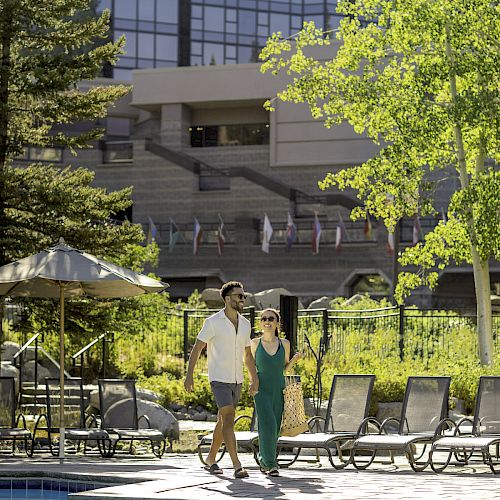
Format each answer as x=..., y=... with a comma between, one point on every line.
x=226, y=335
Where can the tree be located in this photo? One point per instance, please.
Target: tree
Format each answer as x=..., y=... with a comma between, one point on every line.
x=47, y=50
x=422, y=79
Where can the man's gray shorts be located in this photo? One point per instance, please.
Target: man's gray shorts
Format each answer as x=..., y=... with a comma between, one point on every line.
x=226, y=394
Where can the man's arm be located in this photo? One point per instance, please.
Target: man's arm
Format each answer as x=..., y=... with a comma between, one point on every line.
x=193, y=358
x=254, y=378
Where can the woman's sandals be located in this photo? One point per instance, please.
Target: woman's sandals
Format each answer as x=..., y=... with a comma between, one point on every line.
x=240, y=473
x=213, y=469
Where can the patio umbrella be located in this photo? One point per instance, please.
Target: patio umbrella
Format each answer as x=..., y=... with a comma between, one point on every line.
x=63, y=271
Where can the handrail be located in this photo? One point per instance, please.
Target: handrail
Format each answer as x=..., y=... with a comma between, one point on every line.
x=88, y=346
x=26, y=345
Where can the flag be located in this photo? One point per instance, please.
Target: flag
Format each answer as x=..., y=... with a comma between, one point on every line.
x=390, y=243
x=368, y=227
x=197, y=235
x=291, y=233
x=153, y=234
x=340, y=235
x=417, y=230
x=221, y=236
x=267, y=232
x=173, y=236
x=316, y=235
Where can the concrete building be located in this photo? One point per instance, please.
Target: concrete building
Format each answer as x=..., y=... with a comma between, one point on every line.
x=195, y=142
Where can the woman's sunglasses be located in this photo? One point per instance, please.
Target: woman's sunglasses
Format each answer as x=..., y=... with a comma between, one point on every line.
x=270, y=319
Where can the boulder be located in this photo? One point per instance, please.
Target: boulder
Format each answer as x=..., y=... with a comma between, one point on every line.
x=29, y=372
x=321, y=303
x=8, y=370
x=389, y=410
x=8, y=350
x=271, y=298
x=142, y=394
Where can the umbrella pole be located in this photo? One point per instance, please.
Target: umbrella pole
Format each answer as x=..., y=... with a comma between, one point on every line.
x=61, y=372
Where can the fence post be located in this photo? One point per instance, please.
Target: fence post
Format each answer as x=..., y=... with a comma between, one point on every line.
x=401, y=331
x=325, y=330
x=186, y=335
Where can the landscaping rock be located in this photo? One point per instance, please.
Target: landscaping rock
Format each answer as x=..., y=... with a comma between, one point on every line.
x=174, y=407
x=160, y=418
x=8, y=370
x=211, y=417
x=310, y=409
x=9, y=349
x=142, y=394
x=200, y=416
x=321, y=303
x=389, y=410
x=29, y=372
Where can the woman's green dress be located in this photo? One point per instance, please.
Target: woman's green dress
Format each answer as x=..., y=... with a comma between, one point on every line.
x=269, y=402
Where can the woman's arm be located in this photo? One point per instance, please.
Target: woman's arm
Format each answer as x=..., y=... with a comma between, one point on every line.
x=290, y=362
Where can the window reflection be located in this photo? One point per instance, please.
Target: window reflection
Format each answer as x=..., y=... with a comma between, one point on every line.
x=229, y=135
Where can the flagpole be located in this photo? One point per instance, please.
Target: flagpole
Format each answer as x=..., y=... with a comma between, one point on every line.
x=395, y=265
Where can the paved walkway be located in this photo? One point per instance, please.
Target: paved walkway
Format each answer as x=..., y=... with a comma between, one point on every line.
x=182, y=477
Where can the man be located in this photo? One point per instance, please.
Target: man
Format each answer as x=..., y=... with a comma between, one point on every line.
x=226, y=335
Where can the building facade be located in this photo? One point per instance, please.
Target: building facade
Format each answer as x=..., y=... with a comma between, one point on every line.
x=195, y=142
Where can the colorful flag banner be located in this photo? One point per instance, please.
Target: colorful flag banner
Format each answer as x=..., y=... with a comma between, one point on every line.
x=221, y=236
x=153, y=234
x=390, y=243
x=368, y=227
x=316, y=235
x=173, y=236
x=340, y=235
x=197, y=235
x=417, y=230
x=267, y=233
x=291, y=233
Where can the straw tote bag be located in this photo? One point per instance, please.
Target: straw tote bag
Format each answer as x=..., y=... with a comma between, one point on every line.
x=294, y=420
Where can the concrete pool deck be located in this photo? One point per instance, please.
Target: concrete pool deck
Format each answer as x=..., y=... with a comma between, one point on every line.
x=181, y=476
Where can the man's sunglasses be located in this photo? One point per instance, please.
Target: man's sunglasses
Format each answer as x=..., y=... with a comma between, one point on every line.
x=241, y=296
x=270, y=319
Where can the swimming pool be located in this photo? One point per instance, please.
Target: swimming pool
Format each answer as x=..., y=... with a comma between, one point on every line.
x=45, y=488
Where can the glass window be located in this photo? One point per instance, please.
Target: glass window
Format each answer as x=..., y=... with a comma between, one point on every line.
x=166, y=47
x=103, y=4
x=146, y=47
x=122, y=74
x=146, y=26
x=146, y=10
x=333, y=22
x=229, y=135
x=145, y=63
x=230, y=38
x=263, y=4
x=244, y=54
x=231, y=15
x=119, y=127
x=214, y=19
x=247, y=21
x=166, y=11
x=263, y=31
x=131, y=43
x=197, y=11
x=280, y=7
x=196, y=48
x=213, y=36
x=263, y=18
x=125, y=9
x=231, y=28
x=318, y=20
x=196, y=24
x=280, y=22
x=213, y=53
x=231, y=51
x=196, y=60
x=166, y=28
x=313, y=8
x=248, y=4
x=125, y=24
x=296, y=22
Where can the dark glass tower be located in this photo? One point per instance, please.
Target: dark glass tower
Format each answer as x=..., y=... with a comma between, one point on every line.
x=162, y=33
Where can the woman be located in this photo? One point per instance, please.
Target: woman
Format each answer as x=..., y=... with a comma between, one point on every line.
x=272, y=359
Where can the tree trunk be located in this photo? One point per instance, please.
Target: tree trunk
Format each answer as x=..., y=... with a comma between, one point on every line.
x=480, y=268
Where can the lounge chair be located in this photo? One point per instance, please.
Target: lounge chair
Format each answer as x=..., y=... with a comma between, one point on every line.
x=79, y=427
x=9, y=423
x=245, y=439
x=348, y=406
x=483, y=431
x=422, y=420
x=118, y=405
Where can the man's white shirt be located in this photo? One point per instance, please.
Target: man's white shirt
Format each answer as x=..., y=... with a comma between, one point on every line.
x=225, y=347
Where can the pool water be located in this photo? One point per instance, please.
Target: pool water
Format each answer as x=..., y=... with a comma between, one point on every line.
x=33, y=493
x=46, y=488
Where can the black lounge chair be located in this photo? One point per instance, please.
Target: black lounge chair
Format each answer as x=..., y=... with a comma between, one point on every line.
x=9, y=423
x=422, y=421
x=79, y=427
x=483, y=431
x=118, y=406
x=245, y=439
x=348, y=406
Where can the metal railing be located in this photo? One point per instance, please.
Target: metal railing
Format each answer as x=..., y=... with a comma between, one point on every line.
x=81, y=354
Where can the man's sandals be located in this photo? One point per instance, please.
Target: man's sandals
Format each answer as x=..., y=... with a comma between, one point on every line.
x=213, y=469
x=240, y=473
